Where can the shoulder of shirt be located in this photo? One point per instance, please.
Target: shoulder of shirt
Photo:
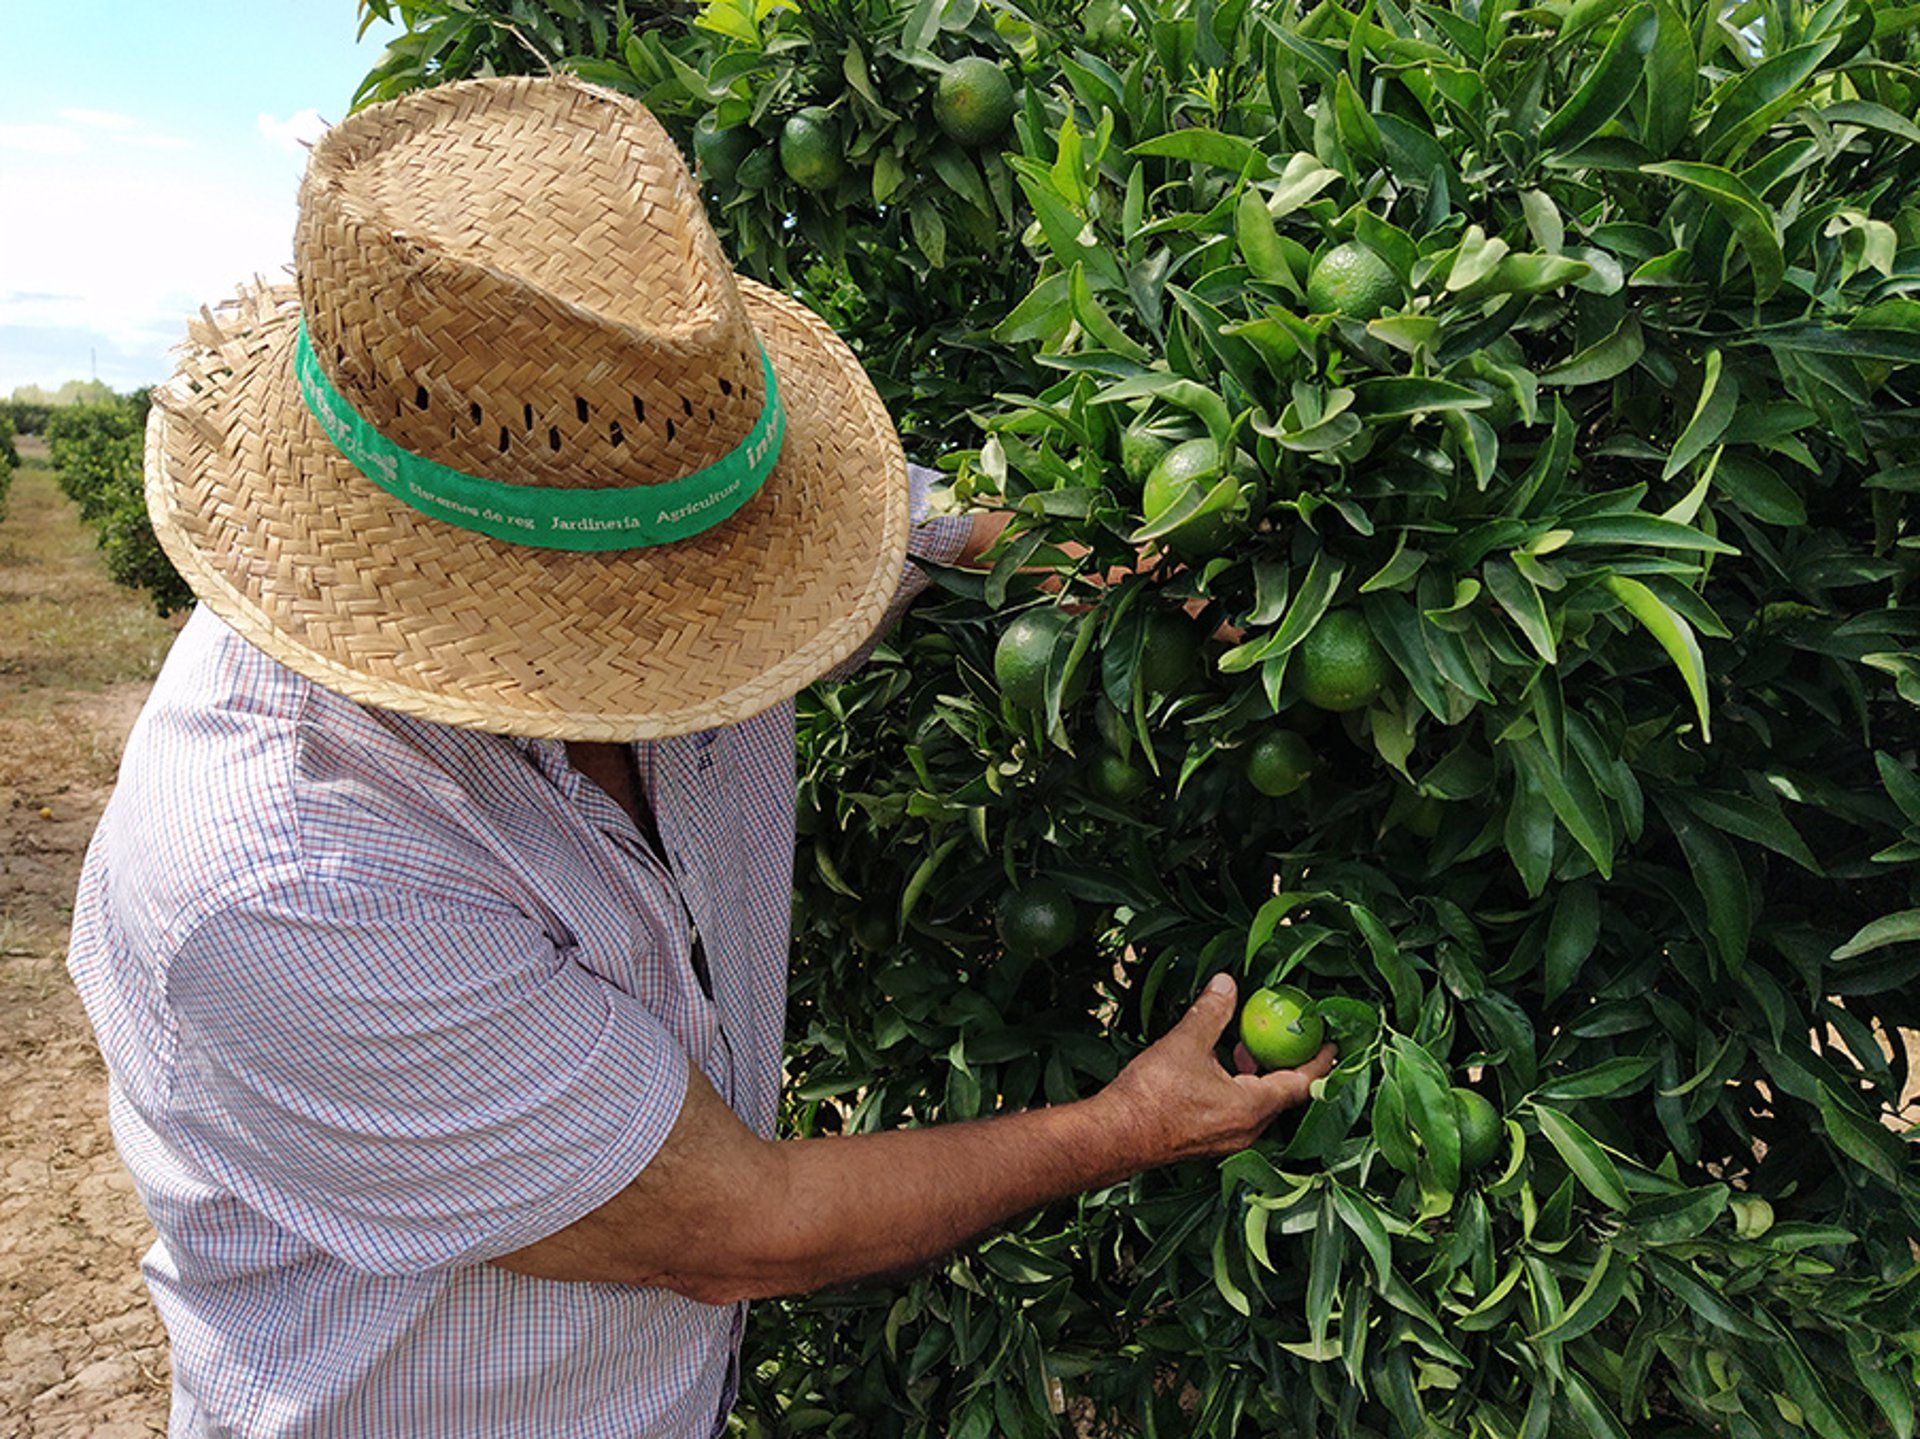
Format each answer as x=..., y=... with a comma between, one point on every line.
x=242, y=779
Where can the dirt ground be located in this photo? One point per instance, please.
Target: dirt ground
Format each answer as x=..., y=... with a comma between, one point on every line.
x=81, y=1351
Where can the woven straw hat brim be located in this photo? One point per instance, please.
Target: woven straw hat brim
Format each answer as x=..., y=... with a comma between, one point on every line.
x=316, y=565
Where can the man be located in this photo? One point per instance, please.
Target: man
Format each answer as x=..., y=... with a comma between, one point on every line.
x=436, y=934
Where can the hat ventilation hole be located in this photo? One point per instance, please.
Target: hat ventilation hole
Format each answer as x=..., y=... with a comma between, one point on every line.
x=526, y=413
x=580, y=409
x=670, y=432
x=553, y=440
x=639, y=410
x=478, y=415
x=687, y=405
x=616, y=435
x=726, y=386
x=420, y=400
x=505, y=439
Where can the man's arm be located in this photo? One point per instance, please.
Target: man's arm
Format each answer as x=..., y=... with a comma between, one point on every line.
x=721, y=1215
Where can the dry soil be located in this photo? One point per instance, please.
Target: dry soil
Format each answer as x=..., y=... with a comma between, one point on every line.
x=81, y=1352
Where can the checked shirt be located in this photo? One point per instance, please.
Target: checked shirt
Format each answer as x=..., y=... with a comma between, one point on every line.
x=381, y=1000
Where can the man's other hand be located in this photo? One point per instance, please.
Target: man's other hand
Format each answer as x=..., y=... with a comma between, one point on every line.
x=1177, y=1101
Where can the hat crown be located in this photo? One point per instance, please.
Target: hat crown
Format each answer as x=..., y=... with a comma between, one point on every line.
x=517, y=280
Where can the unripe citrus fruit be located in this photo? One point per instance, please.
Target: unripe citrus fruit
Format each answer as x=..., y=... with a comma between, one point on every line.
x=1143, y=446
x=1037, y=920
x=1351, y=280
x=1020, y=659
x=720, y=152
x=810, y=151
x=1480, y=1129
x=1196, y=464
x=1341, y=665
x=1169, y=653
x=1279, y=1028
x=873, y=925
x=974, y=101
x=1116, y=779
x=1279, y=762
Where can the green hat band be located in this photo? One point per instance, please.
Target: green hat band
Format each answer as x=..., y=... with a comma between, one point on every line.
x=623, y=517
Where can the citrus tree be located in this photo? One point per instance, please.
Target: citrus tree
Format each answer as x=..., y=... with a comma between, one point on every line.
x=9, y=460
x=96, y=448
x=1459, y=582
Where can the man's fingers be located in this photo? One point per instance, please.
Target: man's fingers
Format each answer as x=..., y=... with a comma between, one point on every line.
x=1285, y=1088
x=1202, y=1025
x=1243, y=1062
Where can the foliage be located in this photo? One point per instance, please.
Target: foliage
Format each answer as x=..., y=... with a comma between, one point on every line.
x=96, y=453
x=1626, y=845
x=9, y=460
x=28, y=417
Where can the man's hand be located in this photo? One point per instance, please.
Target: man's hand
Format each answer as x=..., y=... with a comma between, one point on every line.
x=720, y=1214
x=1179, y=1103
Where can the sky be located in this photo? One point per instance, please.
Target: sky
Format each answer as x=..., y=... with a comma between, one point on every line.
x=150, y=154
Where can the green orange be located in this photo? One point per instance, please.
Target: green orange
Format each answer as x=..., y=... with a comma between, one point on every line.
x=810, y=150
x=1037, y=920
x=1480, y=1129
x=1143, y=446
x=1116, y=779
x=874, y=927
x=973, y=102
x=1021, y=657
x=1340, y=666
x=721, y=151
x=1169, y=653
x=1198, y=465
x=1280, y=1027
x=1279, y=762
x=1353, y=281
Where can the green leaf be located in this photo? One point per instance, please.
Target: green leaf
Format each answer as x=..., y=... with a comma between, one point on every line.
x=1363, y=1217
x=1520, y=598
x=1615, y=355
x=1901, y=928
x=1647, y=530
x=1429, y=1099
x=1571, y=937
x=1722, y=882
x=1604, y=1080
x=1675, y=637
x=1608, y=86
x=1575, y=802
x=1400, y=395
x=1259, y=241
x=1686, y=1286
x=1711, y=413
x=1206, y=147
x=1590, y=1164
x=1302, y=178
x=1594, y=1416
x=1606, y=1285
x=1753, y=223
x=1673, y=74
x=1223, y=1279
x=1312, y=601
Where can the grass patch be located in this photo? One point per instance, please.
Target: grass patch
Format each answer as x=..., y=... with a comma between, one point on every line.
x=64, y=625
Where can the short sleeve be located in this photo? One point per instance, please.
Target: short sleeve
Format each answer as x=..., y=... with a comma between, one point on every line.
x=938, y=539
x=406, y=1081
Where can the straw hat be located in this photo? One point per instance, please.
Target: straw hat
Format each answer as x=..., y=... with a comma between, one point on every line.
x=643, y=495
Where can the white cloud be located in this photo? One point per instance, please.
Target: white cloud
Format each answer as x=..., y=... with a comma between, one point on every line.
x=130, y=244
x=295, y=133
x=42, y=139
x=155, y=142
x=100, y=119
